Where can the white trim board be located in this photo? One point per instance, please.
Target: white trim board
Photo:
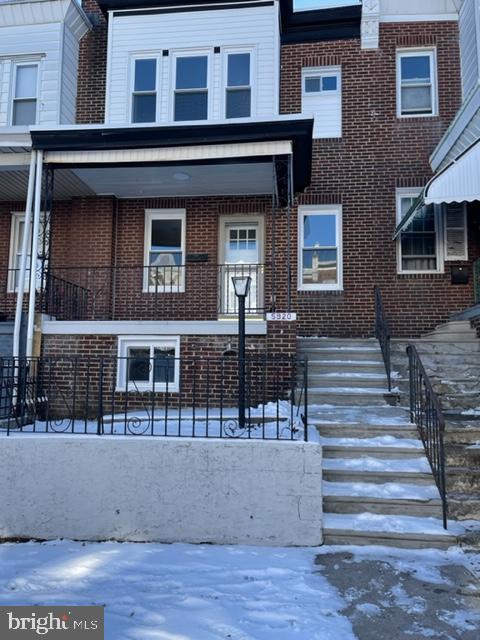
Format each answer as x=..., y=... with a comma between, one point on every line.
x=151, y=327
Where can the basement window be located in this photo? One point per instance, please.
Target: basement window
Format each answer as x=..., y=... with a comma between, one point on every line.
x=148, y=363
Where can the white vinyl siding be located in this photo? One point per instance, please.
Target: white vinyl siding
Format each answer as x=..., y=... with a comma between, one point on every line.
x=247, y=28
x=469, y=26
x=455, y=221
x=68, y=96
x=322, y=99
x=320, y=254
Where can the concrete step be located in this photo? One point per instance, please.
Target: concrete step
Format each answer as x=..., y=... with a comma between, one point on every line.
x=354, y=397
x=378, y=477
x=348, y=379
x=345, y=354
x=382, y=452
x=316, y=366
x=441, y=348
x=408, y=532
x=364, y=430
x=383, y=506
x=308, y=343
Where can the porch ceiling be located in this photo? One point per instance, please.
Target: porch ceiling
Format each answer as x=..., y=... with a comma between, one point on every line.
x=14, y=181
x=181, y=180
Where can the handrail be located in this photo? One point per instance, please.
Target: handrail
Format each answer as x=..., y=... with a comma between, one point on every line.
x=426, y=412
x=382, y=333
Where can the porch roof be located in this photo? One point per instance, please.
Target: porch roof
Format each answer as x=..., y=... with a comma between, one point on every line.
x=234, y=152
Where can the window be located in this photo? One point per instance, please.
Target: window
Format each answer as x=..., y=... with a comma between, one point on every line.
x=148, y=363
x=322, y=99
x=144, y=96
x=456, y=238
x=416, y=83
x=25, y=89
x=17, y=230
x=238, y=97
x=191, y=88
x=320, y=248
x=418, y=244
x=164, y=250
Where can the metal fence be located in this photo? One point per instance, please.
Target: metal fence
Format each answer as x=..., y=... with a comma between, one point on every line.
x=154, y=394
x=426, y=413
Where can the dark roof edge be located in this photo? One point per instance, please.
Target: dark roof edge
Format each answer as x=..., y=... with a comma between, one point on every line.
x=299, y=26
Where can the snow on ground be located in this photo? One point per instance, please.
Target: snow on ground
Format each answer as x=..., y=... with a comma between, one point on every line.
x=180, y=592
x=379, y=441
x=188, y=592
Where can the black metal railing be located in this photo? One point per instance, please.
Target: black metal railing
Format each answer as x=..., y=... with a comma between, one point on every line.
x=154, y=395
x=200, y=291
x=63, y=299
x=382, y=333
x=426, y=413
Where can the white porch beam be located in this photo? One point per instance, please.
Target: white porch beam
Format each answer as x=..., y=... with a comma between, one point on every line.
x=34, y=255
x=23, y=257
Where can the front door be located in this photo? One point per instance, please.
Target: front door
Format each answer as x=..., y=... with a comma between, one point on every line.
x=241, y=257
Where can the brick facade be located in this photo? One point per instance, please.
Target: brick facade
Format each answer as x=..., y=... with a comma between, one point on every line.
x=377, y=154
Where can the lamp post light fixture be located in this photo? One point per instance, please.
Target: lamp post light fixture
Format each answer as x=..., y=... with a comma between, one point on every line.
x=241, y=284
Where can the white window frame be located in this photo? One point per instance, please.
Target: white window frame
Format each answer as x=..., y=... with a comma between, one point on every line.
x=322, y=72
x=414, y=193
x=23, y=62
x=226, y=52
x=321, y=210
x=150, y=342
x=145, y=55
x=162, y=214
x=190, y=53
x=431, y=52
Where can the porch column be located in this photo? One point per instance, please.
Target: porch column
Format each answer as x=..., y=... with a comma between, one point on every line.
x=23, y=258
x=33, y=260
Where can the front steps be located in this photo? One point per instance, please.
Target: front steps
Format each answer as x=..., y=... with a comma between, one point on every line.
x=451, y=357
x=378, y=486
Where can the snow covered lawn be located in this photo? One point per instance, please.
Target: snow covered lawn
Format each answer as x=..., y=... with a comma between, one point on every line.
x=185, y=592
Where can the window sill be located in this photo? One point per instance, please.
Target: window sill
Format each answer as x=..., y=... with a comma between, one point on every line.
x=163, y=289
x=335, y=291
x=173, y=388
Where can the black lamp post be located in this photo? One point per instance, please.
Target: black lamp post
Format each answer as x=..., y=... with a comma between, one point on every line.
x=241, y=284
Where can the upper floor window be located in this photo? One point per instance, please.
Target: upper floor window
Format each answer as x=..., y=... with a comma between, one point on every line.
x=416, y=83
x=238, y=98
x=191, y=88
x=322, y=99
x=25, y=94
x=144, y=97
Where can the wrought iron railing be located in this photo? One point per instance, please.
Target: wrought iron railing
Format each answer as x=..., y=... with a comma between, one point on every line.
x=63, y=299
x=382, y=333
x=160, y=395
x=195, y=291
x=426, y=413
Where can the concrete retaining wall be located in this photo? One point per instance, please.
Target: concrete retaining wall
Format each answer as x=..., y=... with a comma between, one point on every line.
x=165, y=490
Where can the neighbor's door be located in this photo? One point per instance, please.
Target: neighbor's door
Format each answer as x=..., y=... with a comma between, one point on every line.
x=242, y=256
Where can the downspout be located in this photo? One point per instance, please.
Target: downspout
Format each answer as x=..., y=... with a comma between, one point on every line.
x=23, y=258
x=34, y=256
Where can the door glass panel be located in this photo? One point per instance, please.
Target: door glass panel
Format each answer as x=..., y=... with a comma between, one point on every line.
x=242, y=255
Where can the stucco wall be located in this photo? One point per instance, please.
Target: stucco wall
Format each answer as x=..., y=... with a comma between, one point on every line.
x=146, y=489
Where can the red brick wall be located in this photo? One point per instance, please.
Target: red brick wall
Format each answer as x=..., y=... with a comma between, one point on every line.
x=361, y=171
x=92, y=68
